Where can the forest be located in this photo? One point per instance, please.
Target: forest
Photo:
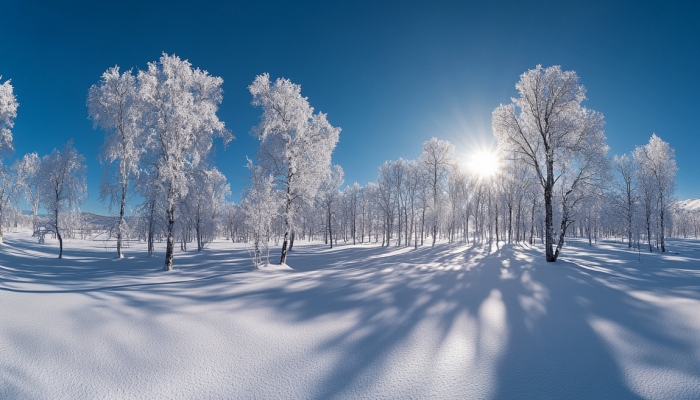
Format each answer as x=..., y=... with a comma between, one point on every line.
x=551, y=177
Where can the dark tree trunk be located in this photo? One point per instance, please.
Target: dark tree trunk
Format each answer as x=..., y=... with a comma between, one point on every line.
x=170, y=247
x=549, y=250
x=120, y=224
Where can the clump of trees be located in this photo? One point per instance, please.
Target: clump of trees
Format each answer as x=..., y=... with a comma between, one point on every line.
x=554, y=179
x=159, y=128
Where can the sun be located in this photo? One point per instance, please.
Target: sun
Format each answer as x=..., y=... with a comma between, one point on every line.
x=484, y=164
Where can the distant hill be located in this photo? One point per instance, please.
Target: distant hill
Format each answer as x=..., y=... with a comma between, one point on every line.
x=92, y=218
x=690, y=204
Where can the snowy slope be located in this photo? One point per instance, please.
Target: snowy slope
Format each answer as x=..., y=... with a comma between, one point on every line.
x=689, y=204
x=352, y=322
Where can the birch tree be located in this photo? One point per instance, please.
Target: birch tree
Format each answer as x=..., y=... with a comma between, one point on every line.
x=626, y=191
x=205, y=203
x=63, y=187
x=180, y=105
x=8, y=113
x=29, y=182
x=437, y=159
x=8, y=195
x=328, y=195
x=657, y=164
x=547, y=128
x=260, y=206
x=295, y=144
x=113, y=106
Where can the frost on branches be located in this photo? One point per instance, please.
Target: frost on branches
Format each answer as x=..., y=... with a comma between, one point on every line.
x=437, y=159
x=204, y=204
x=8, y=113
x=329, y=194
x=63, y=187
x=113, y=105
x=8, y=195
x=656, y=174
x=260, y=206
x=180, y=105
x=295, y=144
x=29, y=182
x=547, y=128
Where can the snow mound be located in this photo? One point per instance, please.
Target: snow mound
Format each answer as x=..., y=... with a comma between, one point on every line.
x=275, y=267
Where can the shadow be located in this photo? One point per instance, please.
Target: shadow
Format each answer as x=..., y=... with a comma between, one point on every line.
x=452, y=321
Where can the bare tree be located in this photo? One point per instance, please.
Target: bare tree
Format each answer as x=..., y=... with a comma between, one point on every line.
x=437, y=159
x=626, y=191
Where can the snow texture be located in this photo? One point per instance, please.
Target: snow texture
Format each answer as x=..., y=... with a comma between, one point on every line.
x=360, y=321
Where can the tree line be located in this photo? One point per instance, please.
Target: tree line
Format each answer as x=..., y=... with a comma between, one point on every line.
x=555, y=179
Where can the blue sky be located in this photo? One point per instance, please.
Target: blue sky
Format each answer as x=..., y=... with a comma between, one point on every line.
x=390, y=74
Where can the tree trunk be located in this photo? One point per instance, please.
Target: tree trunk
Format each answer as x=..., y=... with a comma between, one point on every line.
x=532, y=222
x=330, y=229
x=170, y=247
x=60, y=244
x=285, y=241
x=549, y=251
x=151, y=228
x=121, y=222
x=661, y=230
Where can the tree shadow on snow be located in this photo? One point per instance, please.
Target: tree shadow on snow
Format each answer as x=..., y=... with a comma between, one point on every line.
x=501, y=318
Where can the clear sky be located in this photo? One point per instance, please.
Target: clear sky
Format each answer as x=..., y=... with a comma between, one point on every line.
x=390, y=74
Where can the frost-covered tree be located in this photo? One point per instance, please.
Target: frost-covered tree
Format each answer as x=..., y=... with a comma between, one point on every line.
x=295, y=144
x=151, y=209
x=547, y=128
x=29, y=180
x=353, y=195
x=437, y=159
x=415, y=186
x=63, y=186
x=625, y=190
x=657, y=166
x=329, y=194
x=205, y=203
x=8, y=113
x=386, y=199
x=260, y=206
x=233, y=221
x=8, y=195
x=113, y=105
x=180, y=105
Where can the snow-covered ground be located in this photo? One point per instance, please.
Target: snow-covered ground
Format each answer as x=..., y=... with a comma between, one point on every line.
x=358, y=321
x=689, y=204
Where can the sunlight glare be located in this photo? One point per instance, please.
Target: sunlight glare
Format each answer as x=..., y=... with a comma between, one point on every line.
x=483, y=163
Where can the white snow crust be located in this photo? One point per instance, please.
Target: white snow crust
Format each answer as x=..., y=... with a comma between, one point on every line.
x=450, y=322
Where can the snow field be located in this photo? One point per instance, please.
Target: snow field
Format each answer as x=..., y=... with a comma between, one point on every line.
x=360, y=321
